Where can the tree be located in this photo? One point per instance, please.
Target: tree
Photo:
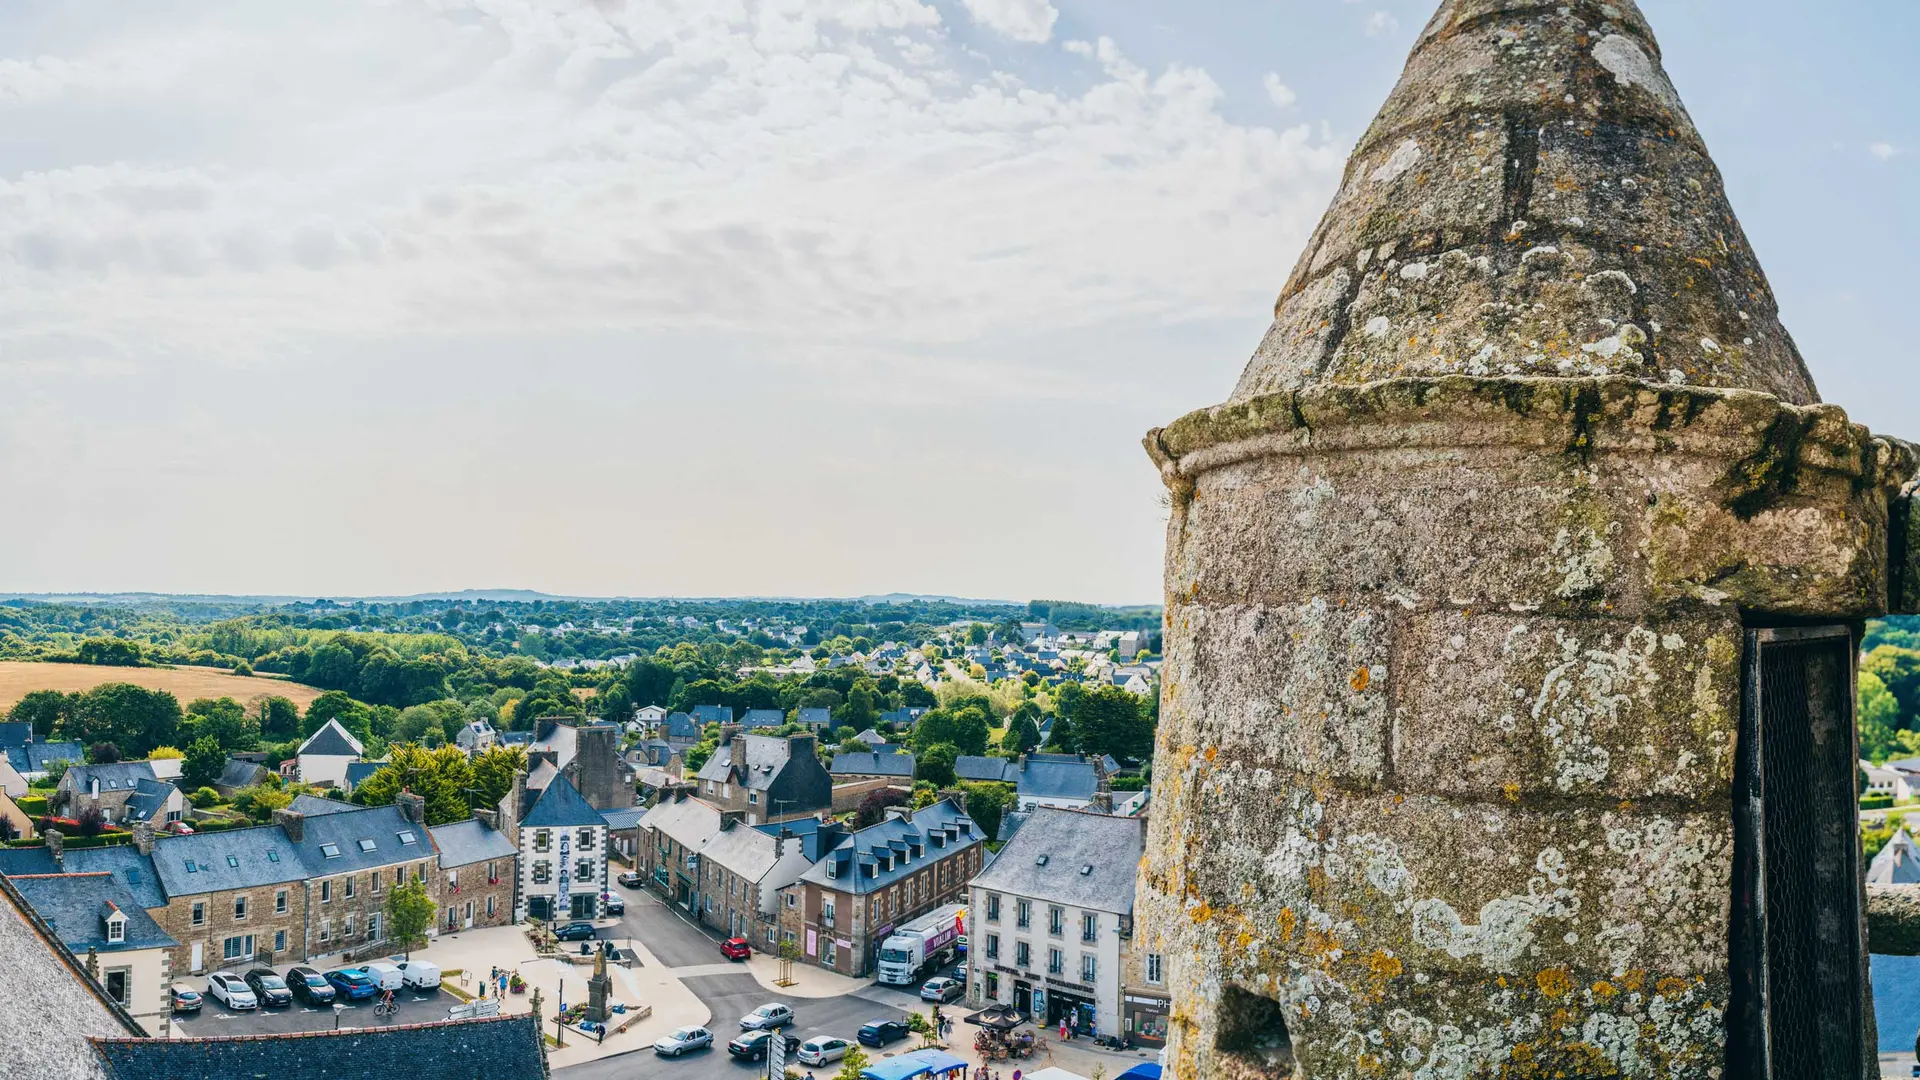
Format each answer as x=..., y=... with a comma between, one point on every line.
x=409, y=912
x=112, y=652
x=858, y=711
x=1022, y=735
x=103, y=753
x=131, y=717
x=936, y=765
x=91, y=821
x=986, y=804
x=277, y=718
x=224, y=721
x=205, y=761
x=1109, y=720
x=852, y=1065
x=334, y=705
x=441, y=776
x=874, y=807
x=493, y=771
x=165, y=753
x=47, y=710
x=260, y=801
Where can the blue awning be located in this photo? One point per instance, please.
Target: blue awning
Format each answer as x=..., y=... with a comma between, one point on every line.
x=918, y=1063
x=1146, y=1070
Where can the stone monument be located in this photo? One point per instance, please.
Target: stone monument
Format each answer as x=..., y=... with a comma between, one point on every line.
x=599, y=989
x=1523, y=524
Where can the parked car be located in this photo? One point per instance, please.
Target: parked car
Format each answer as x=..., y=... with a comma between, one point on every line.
x=183, y=998
x=269, y=988
x=680, y=1040
x=616, y=904
x=736, y=948
x=754, y=1045
x=384, y=975
x=631, y=879
x=942, y=990
x=821, y=1049
x=231, y=991
x=179, y=828
x=309, y=986
x=352, y=983
x=576, y=931
x=767, y=1016
x=877, y=1033
x=420, y=974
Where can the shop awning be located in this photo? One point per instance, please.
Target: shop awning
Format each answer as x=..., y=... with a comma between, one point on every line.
x=918, y=1063
x=1146, y=1070
x=998, y=1017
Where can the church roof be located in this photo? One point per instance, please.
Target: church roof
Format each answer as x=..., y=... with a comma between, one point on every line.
x=1532, y=200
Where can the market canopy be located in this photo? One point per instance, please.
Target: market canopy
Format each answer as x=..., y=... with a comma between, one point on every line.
x=1146, y=1070
x=998, y=1017
x=918, y=1063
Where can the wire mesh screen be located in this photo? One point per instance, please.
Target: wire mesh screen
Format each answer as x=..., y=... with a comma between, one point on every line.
x=1797, y=950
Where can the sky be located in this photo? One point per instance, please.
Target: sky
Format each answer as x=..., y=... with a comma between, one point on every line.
x=749, y=297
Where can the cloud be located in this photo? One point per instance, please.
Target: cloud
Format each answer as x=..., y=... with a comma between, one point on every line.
x=1021, y=20
x=1382, y=22
x=1282, y=94
x=1885, y=151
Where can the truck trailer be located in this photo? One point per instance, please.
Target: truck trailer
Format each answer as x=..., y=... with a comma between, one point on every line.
x=911, y=950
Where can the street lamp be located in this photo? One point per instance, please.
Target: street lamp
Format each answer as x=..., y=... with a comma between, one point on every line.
x=337, y=1010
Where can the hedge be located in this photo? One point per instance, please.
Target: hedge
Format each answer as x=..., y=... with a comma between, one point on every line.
x=1877, y=801
x=32, y=805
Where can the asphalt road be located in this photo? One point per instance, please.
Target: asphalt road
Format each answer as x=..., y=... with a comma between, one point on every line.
x=676, y=942
x=217, y=1019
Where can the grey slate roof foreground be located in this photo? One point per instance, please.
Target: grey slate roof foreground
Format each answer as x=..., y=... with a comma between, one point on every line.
x=1071, y=857
x=129, y=868
x=149, y=798
x=767, y=755
x=495, y=1048
x=976, y=767
x=238, y=774
x=1057, y=776
x=895, y=836
x=115, y=776
x=315, y=805
x=40, y=757
x=248, y=858
x=74, y=905
x=463, y=843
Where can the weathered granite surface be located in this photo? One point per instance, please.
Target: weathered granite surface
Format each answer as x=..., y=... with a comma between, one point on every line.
x=1457, y=583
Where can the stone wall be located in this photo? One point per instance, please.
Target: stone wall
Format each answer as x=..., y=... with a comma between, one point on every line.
x=848, y=796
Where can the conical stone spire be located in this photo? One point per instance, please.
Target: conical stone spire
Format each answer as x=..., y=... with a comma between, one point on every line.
x=1533, y=200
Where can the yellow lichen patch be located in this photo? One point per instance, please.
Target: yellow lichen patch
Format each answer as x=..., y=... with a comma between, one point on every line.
x=1288, y=923
x=1212, y=752
x=1554, y=982
x=1670, y=988
x=1511, y=791
x=1633, y=980
x=1201, y=912
x=1383, y=967
x=1362, y=677
x=1603, y=991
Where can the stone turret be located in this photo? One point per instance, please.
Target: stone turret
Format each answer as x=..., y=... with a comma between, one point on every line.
x=1473, y=588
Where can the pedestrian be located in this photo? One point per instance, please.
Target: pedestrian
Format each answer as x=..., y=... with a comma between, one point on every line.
x=1063, y=1027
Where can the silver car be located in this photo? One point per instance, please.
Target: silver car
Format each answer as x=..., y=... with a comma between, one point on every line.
x=767, y=1016
x=680, y=1040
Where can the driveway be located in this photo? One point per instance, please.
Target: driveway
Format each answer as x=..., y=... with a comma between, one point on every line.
x=216, y=1019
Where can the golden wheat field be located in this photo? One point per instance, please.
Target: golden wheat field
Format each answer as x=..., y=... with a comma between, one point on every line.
x=18, y=678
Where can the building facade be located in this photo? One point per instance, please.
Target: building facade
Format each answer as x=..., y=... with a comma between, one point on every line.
x=475, y=882
x=877, y=878
x=1050, y=928
x=562, y=845
x=102, y=924
x=767, y=778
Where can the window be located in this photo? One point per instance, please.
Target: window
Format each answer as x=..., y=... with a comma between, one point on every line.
x=993, y=907
x=1056, y=919
x=199, y=913
x=279, y=941
x=326, y=929
x=826, y=913
x=350, y=880
x=331, y=851
x=827, y=952
x=1056, y=962
x=326, y=892
x=1090, y=927
x=1022, y=955
x=489, y=906
x=366, y=845
x=280, y=905
x=753, y=797
x=790, y=900
x=993, y=946
x=1023, y=913
x=542, y=871
x=1089, y=967
x=542, y=840
x=117, y=930
x=376, y=881
x=1153, y=969
x=117, y=985
x=492, y=876
x=239, y=907
x=408, y=838
x=238, y=947
x=584, y=839
x=419, y=875
x=233, y=860
x=272, y=856
x=373, y=926
x=583, y=870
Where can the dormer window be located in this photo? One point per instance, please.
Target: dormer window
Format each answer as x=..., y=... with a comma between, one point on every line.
x=833, y=870
x=117, y=929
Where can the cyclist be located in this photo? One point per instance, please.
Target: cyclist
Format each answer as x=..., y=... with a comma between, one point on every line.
x=386, y=1002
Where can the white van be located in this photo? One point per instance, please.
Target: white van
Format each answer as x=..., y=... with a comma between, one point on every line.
x=421, y=974
x=385, y=976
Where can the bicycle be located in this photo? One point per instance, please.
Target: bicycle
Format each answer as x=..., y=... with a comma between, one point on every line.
x=385, y=1007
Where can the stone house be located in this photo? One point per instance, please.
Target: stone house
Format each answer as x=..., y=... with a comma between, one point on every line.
x=562, y=843
x=726, y=873
x=671, y=834
x=475, y=879
x=894, y=767
x=851, y=899
x=238, y=773
x=325, y=755
x=100, y=921
x=103, y=787
x=1050, y=927
x=475, y=736
x=767, y=778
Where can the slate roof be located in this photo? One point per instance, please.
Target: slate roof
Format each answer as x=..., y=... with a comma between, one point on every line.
x=130, y=869
x=689, y=822
x=816, y=717
x=118, y=776
x=763, y=718
x=1056, y=776
x=18, y=734
x=332, y=740
x=816, y=837
x=707, y=714
x=51, y=1007
x=561, y=806
x=76, y=905
x=238, y=774
x=978, y=768
x=1010, y=824
x=873, y=765
x=249, y=858
x=463, y=843
x=625, y=817
x=872, y=738
x=149, y=799
x=516, y=738
x=682, y=726
x=314, y=805
x=1048, y=859
x=494, y=1048
x=766, y=756
x=891, y=842
x=358, y=771
x=747, y=852
x=1898, y=863
x=40, y=757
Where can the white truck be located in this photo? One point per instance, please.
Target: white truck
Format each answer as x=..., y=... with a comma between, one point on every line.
x=910, y=950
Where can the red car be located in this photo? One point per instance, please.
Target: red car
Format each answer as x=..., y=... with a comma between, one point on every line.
x=735, y=948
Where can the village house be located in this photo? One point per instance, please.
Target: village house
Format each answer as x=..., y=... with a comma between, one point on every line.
x=474, y=886
x=877, y=878
x=896, y=767
x=31, y=758
x=562, y=844
x=1050, y=924
x=719, y=869
x=100, y=921
x=325, y=755
x=766, y=778
x=475, y=736
x=238, y=772
x=108, y=788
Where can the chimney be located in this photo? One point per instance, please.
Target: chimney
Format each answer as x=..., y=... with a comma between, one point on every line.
x=489, y=818
x=807, y=745
x=1103, y=801
x=519, y=796
x=730, y=818
x=56, y=846
x=143, y=837
x=412, y=807
x=739, y=761
x=293, y=823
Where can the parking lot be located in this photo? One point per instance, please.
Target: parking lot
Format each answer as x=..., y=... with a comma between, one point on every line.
x=412, y=1007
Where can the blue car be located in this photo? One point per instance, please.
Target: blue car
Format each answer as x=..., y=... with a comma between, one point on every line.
x=353, y=985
